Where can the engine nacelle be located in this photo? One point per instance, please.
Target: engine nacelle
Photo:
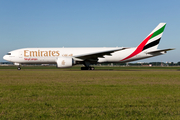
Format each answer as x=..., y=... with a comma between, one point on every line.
x=65, y=62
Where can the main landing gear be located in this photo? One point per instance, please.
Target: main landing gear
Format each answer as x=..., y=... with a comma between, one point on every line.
x=87, y=66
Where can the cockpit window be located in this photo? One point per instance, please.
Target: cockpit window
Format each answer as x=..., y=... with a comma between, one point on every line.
x=8, y=53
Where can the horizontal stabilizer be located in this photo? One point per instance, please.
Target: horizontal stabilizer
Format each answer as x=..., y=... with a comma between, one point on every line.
x=159, y=51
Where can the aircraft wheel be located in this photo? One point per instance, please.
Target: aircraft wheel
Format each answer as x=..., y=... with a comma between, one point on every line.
x=84, y=68
x=92, y=68
x=19, y=68
x=87, y=68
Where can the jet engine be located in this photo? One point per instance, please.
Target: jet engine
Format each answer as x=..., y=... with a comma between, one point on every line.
x=65, y=62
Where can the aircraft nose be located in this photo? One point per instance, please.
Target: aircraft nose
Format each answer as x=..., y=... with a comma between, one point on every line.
x=5, y=57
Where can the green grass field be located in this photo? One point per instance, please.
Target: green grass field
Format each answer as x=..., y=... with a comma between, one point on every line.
x=106, y=93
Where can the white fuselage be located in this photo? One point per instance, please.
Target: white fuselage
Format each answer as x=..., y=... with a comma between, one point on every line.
x=50, y=55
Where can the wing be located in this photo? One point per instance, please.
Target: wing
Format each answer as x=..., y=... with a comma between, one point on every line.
x=96, y=55
x=160, y=51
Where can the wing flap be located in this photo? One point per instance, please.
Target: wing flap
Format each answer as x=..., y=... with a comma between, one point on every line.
x=94, y=56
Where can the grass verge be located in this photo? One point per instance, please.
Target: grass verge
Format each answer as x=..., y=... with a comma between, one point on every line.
x=59, y=94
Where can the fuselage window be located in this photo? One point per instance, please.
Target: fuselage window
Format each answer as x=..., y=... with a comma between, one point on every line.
x=8, y=53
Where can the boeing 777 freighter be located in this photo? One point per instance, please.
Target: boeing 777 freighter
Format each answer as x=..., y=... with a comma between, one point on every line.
x=67, y=57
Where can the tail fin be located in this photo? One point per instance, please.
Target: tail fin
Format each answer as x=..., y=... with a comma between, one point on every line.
x=151, y=42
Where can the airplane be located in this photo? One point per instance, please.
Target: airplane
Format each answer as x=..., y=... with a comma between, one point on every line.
x=67, y=57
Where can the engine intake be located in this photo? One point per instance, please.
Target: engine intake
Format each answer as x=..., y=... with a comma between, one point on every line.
x=65, y=62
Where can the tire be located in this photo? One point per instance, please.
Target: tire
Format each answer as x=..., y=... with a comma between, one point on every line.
x=19, y=68
x=87, y=68
x=84, y=68
x=92, y=68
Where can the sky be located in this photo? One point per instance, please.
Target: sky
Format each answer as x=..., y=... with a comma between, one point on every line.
x=88, y=23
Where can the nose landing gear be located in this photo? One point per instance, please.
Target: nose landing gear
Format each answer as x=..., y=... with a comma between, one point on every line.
x=19, y=68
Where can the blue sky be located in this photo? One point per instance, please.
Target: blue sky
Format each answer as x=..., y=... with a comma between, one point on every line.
x=88, y=23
